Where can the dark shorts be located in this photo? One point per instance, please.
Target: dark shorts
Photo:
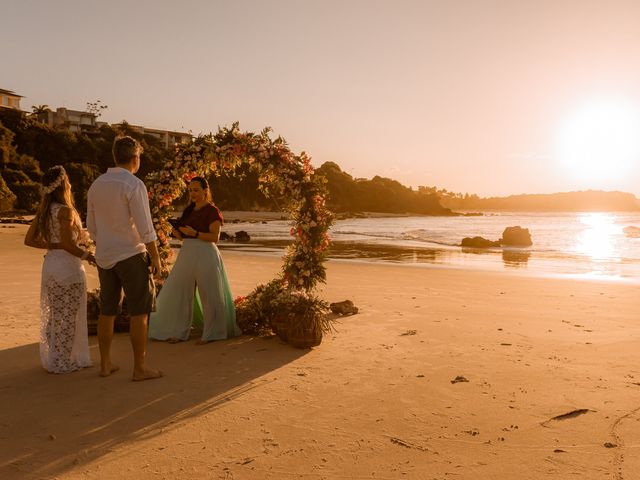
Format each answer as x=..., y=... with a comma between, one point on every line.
x=134, y=277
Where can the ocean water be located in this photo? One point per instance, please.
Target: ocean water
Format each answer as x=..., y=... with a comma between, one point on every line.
x=604, y=245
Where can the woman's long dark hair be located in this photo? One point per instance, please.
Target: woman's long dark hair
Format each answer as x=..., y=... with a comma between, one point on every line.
x=205, y=186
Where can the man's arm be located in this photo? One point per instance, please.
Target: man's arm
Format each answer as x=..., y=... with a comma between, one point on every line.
x=156, y=268
x=141, y=215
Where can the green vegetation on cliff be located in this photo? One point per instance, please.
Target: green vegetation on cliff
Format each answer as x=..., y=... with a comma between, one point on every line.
x=379, y=194
x=27, y=148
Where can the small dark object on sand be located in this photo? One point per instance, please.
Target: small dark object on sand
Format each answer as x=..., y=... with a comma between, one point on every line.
x=565, y=416
x=409, y=332
x=344, y=308
x=459, y=378
x=571, y=414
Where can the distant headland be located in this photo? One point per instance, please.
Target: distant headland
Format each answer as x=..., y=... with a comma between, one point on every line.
x=581, y=201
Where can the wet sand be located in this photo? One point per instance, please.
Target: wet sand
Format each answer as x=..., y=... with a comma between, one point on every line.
x=443, y=374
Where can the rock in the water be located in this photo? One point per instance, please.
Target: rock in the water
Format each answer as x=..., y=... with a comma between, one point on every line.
x=344, y=308
x=516, y=237
x=478, y=242
x=242, y=236
x=224, y=236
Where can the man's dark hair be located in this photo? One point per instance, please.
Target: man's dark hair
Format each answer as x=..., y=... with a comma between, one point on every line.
x=124, y=149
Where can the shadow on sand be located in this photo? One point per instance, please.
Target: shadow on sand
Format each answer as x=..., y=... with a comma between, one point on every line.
x=50, y=424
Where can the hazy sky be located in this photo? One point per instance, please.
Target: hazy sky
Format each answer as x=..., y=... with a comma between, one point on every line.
x=480, y=96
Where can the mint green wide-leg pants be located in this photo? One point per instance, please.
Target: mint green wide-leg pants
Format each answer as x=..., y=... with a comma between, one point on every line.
x=200, y=266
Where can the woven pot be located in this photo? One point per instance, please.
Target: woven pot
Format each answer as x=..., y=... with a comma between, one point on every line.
x=280, y=326
x=305, y=337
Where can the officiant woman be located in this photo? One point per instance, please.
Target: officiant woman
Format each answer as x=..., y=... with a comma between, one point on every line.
x=198, y=280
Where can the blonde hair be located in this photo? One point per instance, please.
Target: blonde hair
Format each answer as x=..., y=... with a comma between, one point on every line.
x=56, y=189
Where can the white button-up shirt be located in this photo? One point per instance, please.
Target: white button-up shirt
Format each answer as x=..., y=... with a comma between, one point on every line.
x=118, y=216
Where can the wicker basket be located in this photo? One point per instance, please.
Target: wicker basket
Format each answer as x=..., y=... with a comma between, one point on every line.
x=305, y=337
x=280, y=326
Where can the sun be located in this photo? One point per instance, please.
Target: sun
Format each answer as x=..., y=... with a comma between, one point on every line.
x=599, y=143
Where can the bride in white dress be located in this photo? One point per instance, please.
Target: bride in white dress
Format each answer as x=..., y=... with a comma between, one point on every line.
x=64, y=343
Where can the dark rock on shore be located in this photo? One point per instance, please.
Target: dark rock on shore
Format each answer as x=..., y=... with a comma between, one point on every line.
x=511, y=237
x=478, y=242
x=18, y=220
x=516, y=237
x=345, y=307
x=242, y=236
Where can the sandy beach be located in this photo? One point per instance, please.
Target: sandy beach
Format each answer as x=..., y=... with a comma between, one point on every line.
x=378, y=399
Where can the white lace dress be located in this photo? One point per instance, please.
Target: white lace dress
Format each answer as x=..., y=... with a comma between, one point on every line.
x=64, y=341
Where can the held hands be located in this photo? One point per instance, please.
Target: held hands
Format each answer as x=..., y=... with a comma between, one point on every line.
x=92, y=260
x=89, y=257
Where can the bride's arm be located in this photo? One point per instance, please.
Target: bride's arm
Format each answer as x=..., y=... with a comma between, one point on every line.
x=65, y=217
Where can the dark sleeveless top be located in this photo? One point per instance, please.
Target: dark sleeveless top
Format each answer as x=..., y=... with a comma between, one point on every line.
x=201, y=219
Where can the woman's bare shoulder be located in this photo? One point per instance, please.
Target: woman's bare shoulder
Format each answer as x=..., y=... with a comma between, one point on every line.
x=65, y=212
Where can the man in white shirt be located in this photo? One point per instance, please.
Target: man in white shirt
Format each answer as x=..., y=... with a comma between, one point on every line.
x=119, y=222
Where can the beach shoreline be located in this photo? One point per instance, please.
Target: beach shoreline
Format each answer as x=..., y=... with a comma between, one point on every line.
x=383, y=397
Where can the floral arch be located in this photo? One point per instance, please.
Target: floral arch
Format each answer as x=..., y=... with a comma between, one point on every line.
x=282, y=174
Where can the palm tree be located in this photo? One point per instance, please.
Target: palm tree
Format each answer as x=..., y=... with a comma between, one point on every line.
x=36, y=110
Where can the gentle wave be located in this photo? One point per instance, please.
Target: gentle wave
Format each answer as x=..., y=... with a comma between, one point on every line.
x=567, y=242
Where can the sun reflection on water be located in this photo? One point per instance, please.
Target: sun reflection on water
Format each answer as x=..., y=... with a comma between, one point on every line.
x=598, y=239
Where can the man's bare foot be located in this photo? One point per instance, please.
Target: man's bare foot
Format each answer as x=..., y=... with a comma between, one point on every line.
x=203, y=342
x=147, y=374
x=106, y=370
x=173, y=340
